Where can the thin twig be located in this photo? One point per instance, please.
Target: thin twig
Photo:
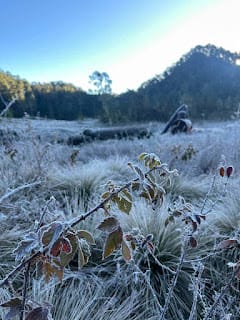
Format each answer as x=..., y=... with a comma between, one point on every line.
x=196, y=292
x=222, y=294
x=159, y=263
x=7, y=104
x=150, y=287
x=208, y=193
x=18, y=268
x=43, y=213
x=24, y=292
x=174, y=282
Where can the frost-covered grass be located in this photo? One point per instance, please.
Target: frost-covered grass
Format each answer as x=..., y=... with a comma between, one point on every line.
x=34, y=168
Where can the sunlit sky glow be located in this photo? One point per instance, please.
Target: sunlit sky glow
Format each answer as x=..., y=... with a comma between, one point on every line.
x=131, y=40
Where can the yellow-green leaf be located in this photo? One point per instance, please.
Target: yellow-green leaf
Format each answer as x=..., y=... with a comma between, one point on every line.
x=48, y=270
x=124, y=205
x=113, y=242
x=109, y=224
x=87, y=236
x=126, y=194
x=142, y=156
x=126, y=253
x=105, y=195
x=81, y=259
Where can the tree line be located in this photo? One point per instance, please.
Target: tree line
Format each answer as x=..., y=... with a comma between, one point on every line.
x=54, y=100
x=207, y=79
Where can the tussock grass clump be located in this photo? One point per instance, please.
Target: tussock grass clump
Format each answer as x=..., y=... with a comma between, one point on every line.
x=90, y=297
x=161, y=265
x=84, y=183
x=112, y=289
x=192, y=189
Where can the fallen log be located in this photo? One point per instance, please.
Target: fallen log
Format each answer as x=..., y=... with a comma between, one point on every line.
x=109, y=133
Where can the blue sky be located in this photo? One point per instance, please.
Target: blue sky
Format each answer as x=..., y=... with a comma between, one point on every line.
x=132, y=40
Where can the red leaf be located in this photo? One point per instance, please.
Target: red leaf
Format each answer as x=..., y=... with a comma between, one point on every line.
x=193, y=242
x=150, y=246
x=56, y=248
x=194, y=225
x=66, y=246
x=128, y=237
x=222, y=171
x=229, y=171
x=227, y=243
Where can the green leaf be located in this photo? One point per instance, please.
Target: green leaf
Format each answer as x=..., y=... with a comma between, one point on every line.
x=124, y=205
x=87, y=236
x=135, y=186
x=81, y=259
x=137, y=170
x=142, y=156
x=113, y=242
x=126, y=195
x=109, y=224
x=126, y=252
x=105, y=195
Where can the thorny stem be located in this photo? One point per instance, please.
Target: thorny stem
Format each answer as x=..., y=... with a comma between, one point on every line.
x=223, y=292
x=205, y=257
x=82, y=217
x=18, y=268
x=160, y=264
x=174, y=281
x=196, y=292
x=150, y=287
x=208, y=193
x=24, y=293
x=43, y=213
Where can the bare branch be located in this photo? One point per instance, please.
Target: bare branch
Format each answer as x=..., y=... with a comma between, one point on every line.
x=7, y=104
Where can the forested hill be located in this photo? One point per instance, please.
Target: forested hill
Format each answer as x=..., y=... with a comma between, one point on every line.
x=207, y=79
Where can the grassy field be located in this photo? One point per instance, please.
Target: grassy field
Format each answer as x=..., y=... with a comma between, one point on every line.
x=38, y=174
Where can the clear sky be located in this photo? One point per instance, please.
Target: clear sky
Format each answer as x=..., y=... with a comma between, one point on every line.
x=131, y=40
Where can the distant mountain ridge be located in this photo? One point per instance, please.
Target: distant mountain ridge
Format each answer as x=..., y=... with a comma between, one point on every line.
x=207, y=79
